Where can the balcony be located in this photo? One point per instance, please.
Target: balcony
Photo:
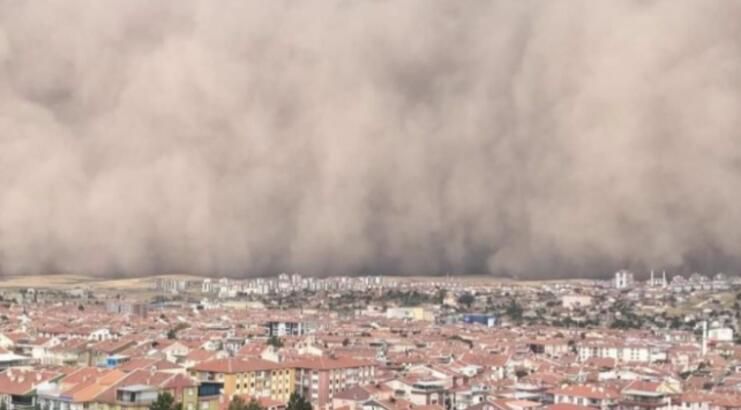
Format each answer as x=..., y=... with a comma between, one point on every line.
x=639, y=402
x=22, y=402
x=210, y=389
x=136, y=395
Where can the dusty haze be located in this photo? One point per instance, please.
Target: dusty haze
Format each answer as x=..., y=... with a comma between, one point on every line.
x=513, y=137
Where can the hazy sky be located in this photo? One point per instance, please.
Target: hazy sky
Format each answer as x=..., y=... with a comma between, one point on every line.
x=526, y=138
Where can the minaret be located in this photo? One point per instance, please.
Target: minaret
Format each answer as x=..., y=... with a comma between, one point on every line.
x=704, y=338
x=651, y=283
x=663, y=280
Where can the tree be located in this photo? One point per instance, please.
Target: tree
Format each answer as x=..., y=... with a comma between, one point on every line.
x=520, y=373
x=3, y=405
x=297, y=402
x=237, y=403
x=275, y=342
x=346, y=342
x=254, y=405
x=165, y=401
x=173, y=333
x=440, y=296
x=466, y=299
x=80, y=308
x=514, y=311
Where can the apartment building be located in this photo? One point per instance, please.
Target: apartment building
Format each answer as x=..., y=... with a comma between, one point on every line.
x=318, y=379
x=597, y=397
x=254, y=377
x=621, y=351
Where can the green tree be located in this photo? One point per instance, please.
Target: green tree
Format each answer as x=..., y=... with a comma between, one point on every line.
x=254, y=405
x=173, y=333
x=297, y=402
x=466, y=299
x=237, y=403
x=440, y=296
x=514, y=311
x=520, y=373
x=3, y=405
x=165, y=401
x=275, y=342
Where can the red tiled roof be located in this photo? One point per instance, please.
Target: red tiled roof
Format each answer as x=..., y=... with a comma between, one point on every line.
x=592, y=392
x=327, y=363
x=566, y=406
x=236, y=365
x=21, y=382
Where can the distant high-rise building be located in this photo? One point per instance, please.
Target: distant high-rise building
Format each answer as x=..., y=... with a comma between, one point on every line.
x=658, y=282
x=127, y=308
x=288, y=328
x=624, y=279
x=171, y=285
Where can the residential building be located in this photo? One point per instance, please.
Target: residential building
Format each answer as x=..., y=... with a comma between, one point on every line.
x=319, y=378
x=254, y=377
x=624, y=279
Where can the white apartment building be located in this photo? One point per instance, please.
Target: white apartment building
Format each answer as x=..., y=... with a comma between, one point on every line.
x=624, y=279
x=619, y=350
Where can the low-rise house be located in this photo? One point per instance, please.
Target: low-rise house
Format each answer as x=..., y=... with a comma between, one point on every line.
x=421, y=390
x=171, y=350
x=464, y=397
x=77, y=390
x=8, y=359
x=698, y=400
x=138, y=389
x=598, y=397
x=642, y=395
x=352, y=398
x=501, y=366
x=18, y=387
x=102, y=351
x=550, y=347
